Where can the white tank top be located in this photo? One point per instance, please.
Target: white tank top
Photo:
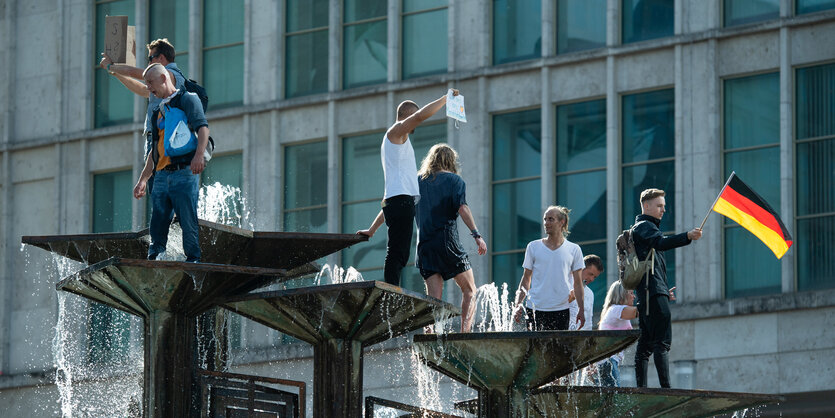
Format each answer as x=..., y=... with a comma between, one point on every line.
x=399, y=168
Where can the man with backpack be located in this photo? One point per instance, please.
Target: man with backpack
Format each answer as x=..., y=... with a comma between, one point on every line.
x=177, y=158
x=653, y=294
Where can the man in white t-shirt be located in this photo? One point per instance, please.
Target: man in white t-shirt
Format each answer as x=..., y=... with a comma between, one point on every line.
x=401, y=185
x=594, y=267
x=544, y=286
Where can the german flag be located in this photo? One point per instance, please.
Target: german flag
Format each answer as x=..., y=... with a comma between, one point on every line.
x=738, y=202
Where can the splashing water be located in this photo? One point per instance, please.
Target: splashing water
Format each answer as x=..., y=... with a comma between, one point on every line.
x=224, y=205
x=336, y=274
x=494, y=310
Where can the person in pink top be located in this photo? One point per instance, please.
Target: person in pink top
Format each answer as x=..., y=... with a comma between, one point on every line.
x=618, y=311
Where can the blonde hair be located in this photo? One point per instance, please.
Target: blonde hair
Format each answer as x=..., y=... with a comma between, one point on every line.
x=441, y=157
x=615, y=296
x=650, y=194
x=562, y=214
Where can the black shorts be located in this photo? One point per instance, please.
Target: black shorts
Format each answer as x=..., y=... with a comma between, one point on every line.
x=450, y=271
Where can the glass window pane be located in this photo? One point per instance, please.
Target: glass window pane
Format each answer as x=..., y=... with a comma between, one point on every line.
x=364, y=9
x=169, y=19
x=362, y=169
x=740, y=12
x=581, y=25
x=425, y=137
x=223, y=76
x=752, y=111
x=223, y=22
x=646, y=19
x=182, y=63
x=598, y=286
x=507, y=269
x=517, y=214
x=417, y=5
x=581, y=136
x=585, y=195
x=641, y=177
x=648, y=126
x=358, y=216
x=112, y=194
x=306, y=14
x=815, y=246
x=809, y=6
x=517, y=145
x=743, y=277
x=815, y=101
x=306, y=68
x=306, y=175
x=113, y=103
x=815, y=177
x=314, y=220
x=517, y=30
x=425, y=43
x=109, y=334
x=759, y=169
x=366, y=53
x=224, y=169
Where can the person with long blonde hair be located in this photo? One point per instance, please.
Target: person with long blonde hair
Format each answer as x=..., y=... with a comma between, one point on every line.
x=616, y=315
x=440, y=255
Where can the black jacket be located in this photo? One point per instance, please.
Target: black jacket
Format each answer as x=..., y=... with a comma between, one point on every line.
x=646, y=235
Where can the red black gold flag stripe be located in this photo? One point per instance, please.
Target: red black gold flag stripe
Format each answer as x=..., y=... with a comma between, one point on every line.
x=738, y=202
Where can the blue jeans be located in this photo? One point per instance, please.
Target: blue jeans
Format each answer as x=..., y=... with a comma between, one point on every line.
x=609, y=373
x=175, y=192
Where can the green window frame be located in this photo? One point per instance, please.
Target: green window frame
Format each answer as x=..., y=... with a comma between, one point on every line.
x=743, y=12
x=751, y=147
x=365, y=43
x=642, y=20
x=306, y=47
x=581, y=178
x=424, y=40
x=516, y=192
x=648, y=157
x=517, y=30
x=815, y=178
x=581, y=25
x=170, y=19
x=113, y=102
x=223, y=52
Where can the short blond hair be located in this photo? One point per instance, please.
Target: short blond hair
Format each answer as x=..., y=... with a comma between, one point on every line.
x=650, y=194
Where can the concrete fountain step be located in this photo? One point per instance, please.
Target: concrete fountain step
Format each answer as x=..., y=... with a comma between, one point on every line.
x=220, y=244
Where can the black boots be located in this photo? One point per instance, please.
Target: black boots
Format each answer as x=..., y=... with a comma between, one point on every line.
x=661, y=359
x=641, y=372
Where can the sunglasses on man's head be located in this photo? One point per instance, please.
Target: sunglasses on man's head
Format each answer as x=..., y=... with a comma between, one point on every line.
x=151, y=57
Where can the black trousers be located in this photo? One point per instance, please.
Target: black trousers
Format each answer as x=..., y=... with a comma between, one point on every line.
x=400, y=220
x=548, y=320
x=656, y=338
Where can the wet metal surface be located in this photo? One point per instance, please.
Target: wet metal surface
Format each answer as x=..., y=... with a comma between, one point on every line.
x=518, y=359
x=220, y=244
x=584, y=401
x=143, y=286
x=369, y=311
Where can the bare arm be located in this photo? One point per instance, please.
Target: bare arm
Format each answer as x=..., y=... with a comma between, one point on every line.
x=522, y=293
x=578, y=294
x=198, y=163
x=397, y=133
x=378, y=221
x=468, y=219
x=137, y=87
x=139, y=189
x=629, y=312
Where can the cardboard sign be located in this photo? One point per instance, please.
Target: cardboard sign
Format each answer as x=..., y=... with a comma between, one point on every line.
x=455, y=107
x=130, y=43
x=116, y=38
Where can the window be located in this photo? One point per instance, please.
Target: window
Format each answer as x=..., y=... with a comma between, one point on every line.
x=365, y=38
x=581, y=178
x=751, y=134
x=648, y=160
x=306, y=47
x=517, y=209
x=362, y=191
x=646, y=19
x=424, y=37
x=223, y=52
x=517, y=30
x=740, y=12
x=811, y=6
x=581, y=25
x=169, y=19
x=109, y=339
x=815, y=176
x=113, y=101
x=306, y=187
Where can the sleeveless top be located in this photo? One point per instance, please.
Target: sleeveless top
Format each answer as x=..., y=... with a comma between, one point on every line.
x=399, y=169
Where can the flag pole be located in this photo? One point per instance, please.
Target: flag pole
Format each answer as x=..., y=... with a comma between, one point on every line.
x=717, y=198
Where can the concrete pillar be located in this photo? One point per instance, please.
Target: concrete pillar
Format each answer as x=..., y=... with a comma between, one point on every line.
x=334, y=177
x=248, y=9
x=278, y=42
x=787, y=146
x=548, y=169
x=195, y=40
x=335, y=46
x=612, y=142
x=393, y=40
x=6, y=284
x=277, y=171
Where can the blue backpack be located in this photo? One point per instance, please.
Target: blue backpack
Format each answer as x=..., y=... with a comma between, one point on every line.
x=179, y=139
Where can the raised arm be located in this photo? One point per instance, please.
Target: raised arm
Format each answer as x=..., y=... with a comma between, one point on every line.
x=397, y=133
x=655, y=239
x=468, y=219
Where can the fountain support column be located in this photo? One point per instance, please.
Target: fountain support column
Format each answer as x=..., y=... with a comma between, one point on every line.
x=502, y=402
x=337, y=377
x=169, y=356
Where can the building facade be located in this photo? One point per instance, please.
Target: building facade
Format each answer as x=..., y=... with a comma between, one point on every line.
x=578, y=103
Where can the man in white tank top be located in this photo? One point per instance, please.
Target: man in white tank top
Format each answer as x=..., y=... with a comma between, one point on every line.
x=401, y=191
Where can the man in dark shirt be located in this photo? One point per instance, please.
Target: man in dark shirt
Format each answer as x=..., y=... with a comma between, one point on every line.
x=654, y=295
